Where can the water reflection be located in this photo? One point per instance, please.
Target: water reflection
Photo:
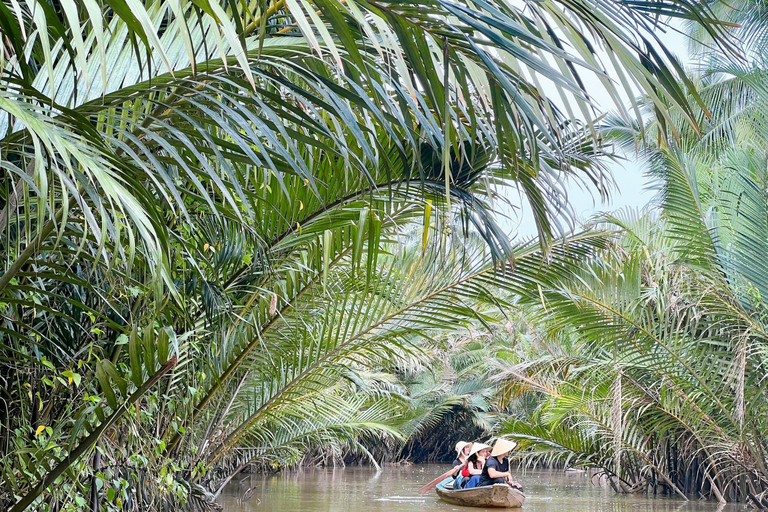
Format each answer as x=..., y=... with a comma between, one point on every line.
x=394, y=489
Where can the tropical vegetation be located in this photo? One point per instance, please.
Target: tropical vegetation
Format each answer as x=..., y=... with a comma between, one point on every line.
x=659, y=380
x=229, y=230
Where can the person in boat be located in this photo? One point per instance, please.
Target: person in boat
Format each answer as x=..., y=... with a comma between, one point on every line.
x=496, y=468
x=462, y=455
x=474, y=470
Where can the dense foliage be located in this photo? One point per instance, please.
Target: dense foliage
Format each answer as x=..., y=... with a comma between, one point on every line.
x=203, y=204
x=659, y=379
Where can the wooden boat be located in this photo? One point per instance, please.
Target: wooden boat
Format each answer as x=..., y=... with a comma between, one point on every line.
x=496, y=495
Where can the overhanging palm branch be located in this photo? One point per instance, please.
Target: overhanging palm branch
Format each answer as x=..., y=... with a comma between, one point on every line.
x=130, y=133
x=680, y=341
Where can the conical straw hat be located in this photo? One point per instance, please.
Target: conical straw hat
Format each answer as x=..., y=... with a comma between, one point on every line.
x=476, y=447
x=460, y=446
x=502, y=446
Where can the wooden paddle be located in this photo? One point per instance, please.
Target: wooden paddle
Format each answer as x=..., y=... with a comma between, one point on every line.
x=439, y=479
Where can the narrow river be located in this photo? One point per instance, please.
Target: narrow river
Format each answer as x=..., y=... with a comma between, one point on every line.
x=358, y=489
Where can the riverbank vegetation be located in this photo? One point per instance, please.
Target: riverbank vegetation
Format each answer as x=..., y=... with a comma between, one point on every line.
x=247, y=235
x=662, y=380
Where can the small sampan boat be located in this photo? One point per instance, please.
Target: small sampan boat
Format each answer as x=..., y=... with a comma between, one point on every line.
x=496, y=495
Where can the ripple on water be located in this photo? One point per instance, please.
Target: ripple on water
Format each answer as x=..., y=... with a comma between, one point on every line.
x=357, y=489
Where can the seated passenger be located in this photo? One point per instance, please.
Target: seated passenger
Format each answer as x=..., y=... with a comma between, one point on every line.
x=462, y=453
x=496, y=469
x=475, y=464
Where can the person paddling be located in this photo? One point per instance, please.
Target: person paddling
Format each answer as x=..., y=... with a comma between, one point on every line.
x=462, y=454
x=496, y=468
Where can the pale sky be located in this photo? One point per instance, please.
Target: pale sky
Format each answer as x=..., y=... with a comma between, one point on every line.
x=631, y=182
x=631, y=192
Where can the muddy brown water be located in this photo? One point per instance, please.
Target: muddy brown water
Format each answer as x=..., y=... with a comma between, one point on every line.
x=363, y=489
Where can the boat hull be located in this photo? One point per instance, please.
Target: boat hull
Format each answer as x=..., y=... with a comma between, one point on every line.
x=497, y=495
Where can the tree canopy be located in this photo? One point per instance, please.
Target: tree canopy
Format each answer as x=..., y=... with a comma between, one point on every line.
x=208, y=209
